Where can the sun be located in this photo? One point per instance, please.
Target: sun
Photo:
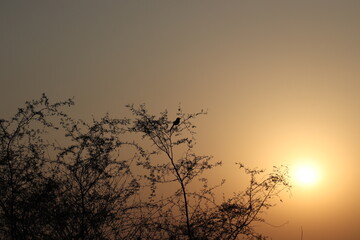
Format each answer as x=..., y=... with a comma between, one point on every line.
x=306, y=174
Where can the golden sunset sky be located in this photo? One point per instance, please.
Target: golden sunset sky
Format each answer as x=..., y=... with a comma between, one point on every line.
x=280, y=80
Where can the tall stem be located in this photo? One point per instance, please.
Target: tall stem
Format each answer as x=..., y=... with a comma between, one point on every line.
x=183, y=188
x=184, y=196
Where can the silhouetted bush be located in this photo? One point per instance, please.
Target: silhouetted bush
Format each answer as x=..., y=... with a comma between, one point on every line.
x=135, y=178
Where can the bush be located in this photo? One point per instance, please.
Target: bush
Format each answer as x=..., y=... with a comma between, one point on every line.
x=118, y=179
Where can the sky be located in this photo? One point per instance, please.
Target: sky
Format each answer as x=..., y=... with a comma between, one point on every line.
x=280, y=80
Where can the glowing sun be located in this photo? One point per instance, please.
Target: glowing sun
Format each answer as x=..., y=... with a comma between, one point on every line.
x=306, y=174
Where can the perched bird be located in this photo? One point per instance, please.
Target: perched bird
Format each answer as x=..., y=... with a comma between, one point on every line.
x=175, y=123
x=39, y=113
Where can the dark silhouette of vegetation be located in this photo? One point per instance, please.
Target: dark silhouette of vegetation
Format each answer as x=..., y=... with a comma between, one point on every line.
x=131, y=178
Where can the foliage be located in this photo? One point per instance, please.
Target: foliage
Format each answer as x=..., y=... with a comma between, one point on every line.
x=24, y=187
x=136, y=178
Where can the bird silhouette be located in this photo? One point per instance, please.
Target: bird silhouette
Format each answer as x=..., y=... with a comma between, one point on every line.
x=175, y=123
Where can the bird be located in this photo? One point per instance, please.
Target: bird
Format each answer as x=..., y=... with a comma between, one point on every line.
x=175, y=123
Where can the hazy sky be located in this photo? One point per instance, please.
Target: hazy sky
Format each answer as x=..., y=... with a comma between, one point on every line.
x=280, y=80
